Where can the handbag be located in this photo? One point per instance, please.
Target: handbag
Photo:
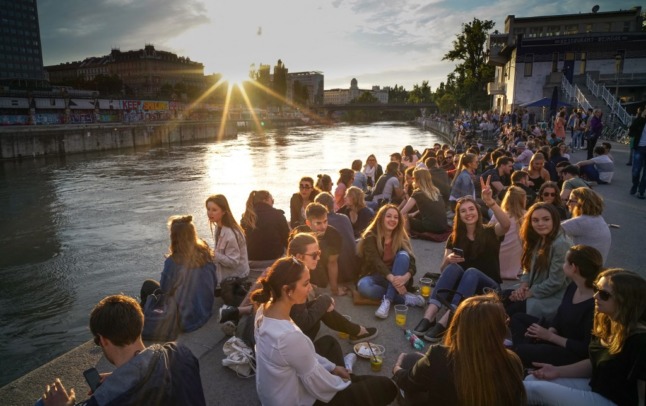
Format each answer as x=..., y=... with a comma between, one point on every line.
x=233, y=290
x=161, y=316
x=239, y=357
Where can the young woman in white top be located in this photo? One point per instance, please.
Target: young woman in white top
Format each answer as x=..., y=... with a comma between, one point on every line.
x=289, y=372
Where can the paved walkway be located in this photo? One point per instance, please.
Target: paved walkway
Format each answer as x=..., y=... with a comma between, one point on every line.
x=221, y=385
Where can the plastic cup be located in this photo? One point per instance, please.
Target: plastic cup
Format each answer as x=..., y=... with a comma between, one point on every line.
x=376, y=362
x=400, y=315
x=425, y=287
x=343, y=335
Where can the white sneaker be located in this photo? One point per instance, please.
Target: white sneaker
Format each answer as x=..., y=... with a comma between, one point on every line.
x=411, y=299
x=384, y=308
x=349, y=360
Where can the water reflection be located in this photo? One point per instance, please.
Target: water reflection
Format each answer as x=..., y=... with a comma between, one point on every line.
x=78, y=229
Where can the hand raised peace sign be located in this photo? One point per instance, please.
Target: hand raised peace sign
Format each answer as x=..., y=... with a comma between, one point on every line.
x=487, y=193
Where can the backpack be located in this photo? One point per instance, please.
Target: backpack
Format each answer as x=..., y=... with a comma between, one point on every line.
x=161, y=316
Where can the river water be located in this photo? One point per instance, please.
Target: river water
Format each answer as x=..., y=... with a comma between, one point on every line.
x=78, y=228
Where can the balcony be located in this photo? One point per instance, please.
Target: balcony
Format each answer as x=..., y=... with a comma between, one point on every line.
x=495, y=44
x=495, y=88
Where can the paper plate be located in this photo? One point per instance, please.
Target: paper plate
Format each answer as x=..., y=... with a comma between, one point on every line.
x=362, y=350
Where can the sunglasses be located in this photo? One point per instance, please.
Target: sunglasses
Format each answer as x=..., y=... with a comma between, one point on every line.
x=304, y=187
x=314, y=255
x=546, y=194
x=601, y=294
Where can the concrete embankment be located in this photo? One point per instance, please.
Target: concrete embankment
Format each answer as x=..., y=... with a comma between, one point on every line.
x=22, y=142
x=442, y=128
x=222, y=387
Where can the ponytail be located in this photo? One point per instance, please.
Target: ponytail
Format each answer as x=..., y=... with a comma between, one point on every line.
x=249, y=216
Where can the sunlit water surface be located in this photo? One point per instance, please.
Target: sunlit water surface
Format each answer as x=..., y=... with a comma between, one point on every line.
x=79, y=228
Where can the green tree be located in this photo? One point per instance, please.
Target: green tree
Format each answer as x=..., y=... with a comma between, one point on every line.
x=420, y=94
x=397, y=95
x=472, y=74
x=300, y=94
x=280, y=80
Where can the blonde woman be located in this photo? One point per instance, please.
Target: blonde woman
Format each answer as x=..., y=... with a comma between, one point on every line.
x=511, y=248
x=355, y=208
x=429, y=213
x=537, y=172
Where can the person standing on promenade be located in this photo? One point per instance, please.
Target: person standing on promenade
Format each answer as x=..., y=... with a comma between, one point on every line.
x=617, y=351
x=299, y=201
x=289, y=371
x=157, y=375
x=596, y=125
x=637, y=135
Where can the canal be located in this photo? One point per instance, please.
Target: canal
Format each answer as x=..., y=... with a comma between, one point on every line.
x=78, y=228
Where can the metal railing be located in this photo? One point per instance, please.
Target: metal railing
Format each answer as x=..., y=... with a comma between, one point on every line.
x=573, y=93
x=601, y=91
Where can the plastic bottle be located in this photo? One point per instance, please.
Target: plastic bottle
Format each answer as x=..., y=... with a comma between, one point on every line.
x=415, y=341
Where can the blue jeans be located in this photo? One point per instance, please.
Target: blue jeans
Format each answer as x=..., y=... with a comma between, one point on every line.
x=562, y=392
x=577, y=139
x=590, y=172
x=639, y=169
x=467, y=283
x=376, y=286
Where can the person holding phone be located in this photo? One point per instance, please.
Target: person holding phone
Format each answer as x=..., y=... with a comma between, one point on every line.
x=471, y=261
x=160, y=374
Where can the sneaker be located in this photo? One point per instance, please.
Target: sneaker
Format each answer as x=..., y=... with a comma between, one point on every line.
x=349, y=360
x=228, y=328
x=633, y=189
x=411, y=299
x=371, y=332
x=423, y=326
x=384, y=309
x=641, y=196
x=435, y=334
x=229, y=313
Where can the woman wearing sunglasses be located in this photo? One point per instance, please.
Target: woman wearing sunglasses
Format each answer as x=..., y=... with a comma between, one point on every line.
x=289, y=370
x=566, y=339
x=617, y=351
x=549, y=193
x=587, y=226
x=471, y=261
x=300, y=200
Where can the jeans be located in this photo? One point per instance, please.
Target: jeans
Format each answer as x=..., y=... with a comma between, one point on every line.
x=590, y=172
x=577, y=139
x=639, y=169
x=562, y=391
x=466, y=283
x=592, y=142
x=335, y=321
x=376, y=286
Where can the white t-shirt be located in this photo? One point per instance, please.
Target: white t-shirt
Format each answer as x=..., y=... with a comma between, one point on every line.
x=605, y=167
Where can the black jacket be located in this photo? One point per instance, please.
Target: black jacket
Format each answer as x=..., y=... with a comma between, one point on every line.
x=268, y=240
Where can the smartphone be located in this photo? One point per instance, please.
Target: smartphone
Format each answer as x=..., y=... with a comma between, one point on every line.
x=93, y=378
x=458, y=252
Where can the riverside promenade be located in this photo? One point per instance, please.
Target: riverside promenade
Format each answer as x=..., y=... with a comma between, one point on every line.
x=222, y=387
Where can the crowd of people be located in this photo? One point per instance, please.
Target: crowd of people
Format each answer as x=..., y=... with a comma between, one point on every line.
x=520, y=213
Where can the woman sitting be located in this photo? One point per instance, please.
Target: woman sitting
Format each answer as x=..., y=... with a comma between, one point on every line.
x=543, y=282
x=289, y=371
x=537, y=172
x=430, y=215
x=587, y=226
x=323, y=183
x=567, y=338
x=472, y=367
x=471, y=261
x=189, y=272
x=372, y=170
x=230, y=253
x=462, y=184
x=549, y=193
x=387, y=262
x=617, y=350
x=265, y=227
x=299, y=201
x=511, y=248
x=355, y=208
x=346, y=177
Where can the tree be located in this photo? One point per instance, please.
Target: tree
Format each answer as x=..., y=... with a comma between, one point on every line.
x=420, y=94
x=280, y=80
x=300, y=94
x=472, y=74
x=397, y=95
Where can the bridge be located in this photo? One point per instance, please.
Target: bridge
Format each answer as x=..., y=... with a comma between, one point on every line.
x=328, y=109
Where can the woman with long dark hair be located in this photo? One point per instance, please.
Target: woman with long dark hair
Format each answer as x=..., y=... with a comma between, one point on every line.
x=230, y=252
x=189, y=270
x=265, y=227
x=543, y=282
x=617, y=358
x=471, y=367
x=299, y=201
x=549, y=193
x=566, y=339
x=346, y=177
x=289, y=371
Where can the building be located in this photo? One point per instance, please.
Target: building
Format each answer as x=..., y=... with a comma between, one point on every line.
x=144, y=72
x=345, y=96
x=21, y=57
x=301, y=84
x=573, y=52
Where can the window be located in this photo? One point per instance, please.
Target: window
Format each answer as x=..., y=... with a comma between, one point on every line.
x=529, y=65
x=584, y=57
x=571, y=29
x=604, y=27
x=553, y=30
x=535, y=32
x=626, y=26
x=555, y=62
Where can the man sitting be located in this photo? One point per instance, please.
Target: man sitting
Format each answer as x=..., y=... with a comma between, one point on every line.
x=520, y=179
x=571, y=181
x=166, y=374
x=598, y=169
x=500, y=174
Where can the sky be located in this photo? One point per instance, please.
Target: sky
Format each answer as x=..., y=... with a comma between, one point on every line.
x=378, y=42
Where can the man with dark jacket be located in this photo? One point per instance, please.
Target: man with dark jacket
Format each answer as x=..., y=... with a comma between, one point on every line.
x=638, y=134
x=166, y=374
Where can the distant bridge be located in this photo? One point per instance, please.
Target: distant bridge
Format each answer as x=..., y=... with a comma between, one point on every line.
x=330, y=108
